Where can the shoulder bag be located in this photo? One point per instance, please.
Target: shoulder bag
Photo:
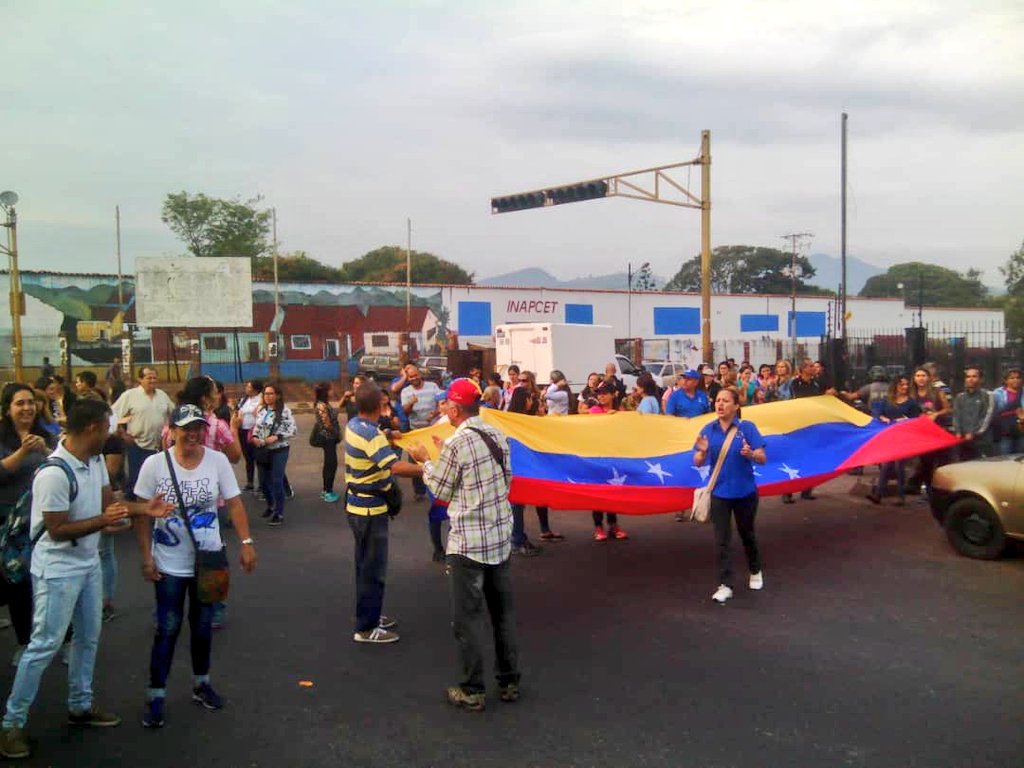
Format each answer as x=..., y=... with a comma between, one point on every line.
x=701, y=510
x=324, y=437
x=213, y=576
x=496, y=452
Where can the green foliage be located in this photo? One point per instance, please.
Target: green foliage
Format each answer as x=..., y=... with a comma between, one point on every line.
x=1014, y=272
x=747, y=269
x=928, y=284
x=387, y=265
x=643, y=278
x=1013, y=305
x=213, y=227
x=295, y=267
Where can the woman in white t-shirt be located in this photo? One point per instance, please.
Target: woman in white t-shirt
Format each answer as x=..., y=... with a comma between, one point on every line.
x=248, y=407
x=168, y=553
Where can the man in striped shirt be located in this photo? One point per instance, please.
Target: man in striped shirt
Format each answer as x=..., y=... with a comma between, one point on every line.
x=370, y=467
x=473, y=474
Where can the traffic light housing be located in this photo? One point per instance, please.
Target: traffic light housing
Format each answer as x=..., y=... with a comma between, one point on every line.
x=572, y=193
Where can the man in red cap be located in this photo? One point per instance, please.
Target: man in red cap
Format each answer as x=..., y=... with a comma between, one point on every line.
x=473, y=474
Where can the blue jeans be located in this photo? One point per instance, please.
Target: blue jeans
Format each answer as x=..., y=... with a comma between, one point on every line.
x=59, y=603
x=371, y=538
x=1011, y=444
x=134, y=456
x=273, y=480
x=170, y=612
x=108, y=562
x=247, y=448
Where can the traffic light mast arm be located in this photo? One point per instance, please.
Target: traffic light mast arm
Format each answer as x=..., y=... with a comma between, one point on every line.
x=657, y=195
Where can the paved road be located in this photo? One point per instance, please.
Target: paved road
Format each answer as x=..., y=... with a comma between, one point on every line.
x=872, y=645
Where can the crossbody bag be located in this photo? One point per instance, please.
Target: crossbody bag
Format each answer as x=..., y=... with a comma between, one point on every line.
x=701, y=511
x=213, y=577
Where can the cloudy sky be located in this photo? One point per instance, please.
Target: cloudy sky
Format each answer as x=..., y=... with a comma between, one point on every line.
x=349, y=117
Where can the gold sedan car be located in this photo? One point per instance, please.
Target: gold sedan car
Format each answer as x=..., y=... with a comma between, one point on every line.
x=980, y=504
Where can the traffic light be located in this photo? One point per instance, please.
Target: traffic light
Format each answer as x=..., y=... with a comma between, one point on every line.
x=518, y=202
x=576, y=193
x=573, y=193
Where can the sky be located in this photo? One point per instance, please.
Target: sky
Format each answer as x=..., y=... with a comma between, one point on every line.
x=350, y=118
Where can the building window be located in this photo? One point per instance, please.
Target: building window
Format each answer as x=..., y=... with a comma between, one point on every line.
x=301, y=342
x=379, y=340
x=332, y=349
x=215, y=342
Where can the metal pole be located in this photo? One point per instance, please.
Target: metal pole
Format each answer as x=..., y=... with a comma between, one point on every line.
x=16, y=297
x=705, y=244
x=629, y=301
x=842, y=233
x=920, y=299
x=408, y=286
x=120, y=288
x=275, y=365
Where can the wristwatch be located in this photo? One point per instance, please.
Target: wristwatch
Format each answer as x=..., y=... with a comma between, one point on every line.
x=250, y=542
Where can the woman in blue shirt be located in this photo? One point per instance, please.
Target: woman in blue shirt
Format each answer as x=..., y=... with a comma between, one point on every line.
x=735, y=491
x=898, y=406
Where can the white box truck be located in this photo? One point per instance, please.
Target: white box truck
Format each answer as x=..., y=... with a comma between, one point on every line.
x=574, y=349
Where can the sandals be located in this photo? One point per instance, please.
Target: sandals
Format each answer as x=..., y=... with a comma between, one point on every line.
x=551, y=536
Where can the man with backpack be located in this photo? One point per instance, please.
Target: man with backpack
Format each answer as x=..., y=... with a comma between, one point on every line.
x=71, y=504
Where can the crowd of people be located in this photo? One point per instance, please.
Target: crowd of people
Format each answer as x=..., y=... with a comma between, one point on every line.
x=63, y=455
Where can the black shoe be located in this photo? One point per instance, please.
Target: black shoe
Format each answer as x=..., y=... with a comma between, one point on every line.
x=808, y=494
x=528, y=549
x=207, y=697
x=248, y=487
x=290, y=493
x=874, y=498
x=268, y=512
x=787, y=498
x=275, y=520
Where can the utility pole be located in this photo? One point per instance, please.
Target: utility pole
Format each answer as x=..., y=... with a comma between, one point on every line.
x=275, y=365
x=8, y=200
x=795, y=242
x=842, y=233
x=403, y=349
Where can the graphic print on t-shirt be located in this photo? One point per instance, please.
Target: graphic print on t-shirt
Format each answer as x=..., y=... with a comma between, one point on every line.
x=169, y=533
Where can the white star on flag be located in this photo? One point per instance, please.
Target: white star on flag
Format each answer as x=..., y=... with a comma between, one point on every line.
x=704, y=471
x=657, y=471
x=793, y=473
x=617, y=479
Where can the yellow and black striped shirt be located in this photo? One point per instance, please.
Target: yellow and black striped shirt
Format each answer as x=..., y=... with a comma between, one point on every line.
x=368, y=460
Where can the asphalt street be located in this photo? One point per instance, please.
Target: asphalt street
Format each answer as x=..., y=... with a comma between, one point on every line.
x=873, y=644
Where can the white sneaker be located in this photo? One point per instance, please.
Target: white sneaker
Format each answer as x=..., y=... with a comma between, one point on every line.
x=376, y=635
x=722, y=594
x=757, y=580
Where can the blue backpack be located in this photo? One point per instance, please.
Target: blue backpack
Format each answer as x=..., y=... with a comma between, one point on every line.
x=16, y=541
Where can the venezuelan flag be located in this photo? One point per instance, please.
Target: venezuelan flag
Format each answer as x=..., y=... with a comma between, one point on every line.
x=633, y=464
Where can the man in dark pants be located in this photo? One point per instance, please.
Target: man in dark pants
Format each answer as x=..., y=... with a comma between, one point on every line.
x=472, y=473
x=370, y=464
x=804, y=385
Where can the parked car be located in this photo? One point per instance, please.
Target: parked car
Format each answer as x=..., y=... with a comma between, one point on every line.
x=980, y=504
x=434, y=366
x=664, y=372
x=380, y=367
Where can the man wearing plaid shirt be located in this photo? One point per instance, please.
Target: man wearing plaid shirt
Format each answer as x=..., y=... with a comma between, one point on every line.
x=472, y=473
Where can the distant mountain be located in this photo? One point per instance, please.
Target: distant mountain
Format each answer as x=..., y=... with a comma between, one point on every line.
x=533, y=277
x=829, y=272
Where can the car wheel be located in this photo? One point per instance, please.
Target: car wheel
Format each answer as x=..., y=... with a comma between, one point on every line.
x=974, y=529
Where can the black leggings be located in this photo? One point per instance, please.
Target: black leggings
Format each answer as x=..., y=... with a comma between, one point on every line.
x=330, y=467
x=613, y=519
x=722, y=511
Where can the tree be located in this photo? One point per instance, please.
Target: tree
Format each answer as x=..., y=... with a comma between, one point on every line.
x=928, y=285
x=213, y=227
x=387, y=265
x=643, y=278
x=296, y=267
x=1013, y=304
x=747, y=269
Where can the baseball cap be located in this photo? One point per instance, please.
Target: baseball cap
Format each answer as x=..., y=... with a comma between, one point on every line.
x=689, y=373
x=187, y=414
x=440, y=397
x=463, y=392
